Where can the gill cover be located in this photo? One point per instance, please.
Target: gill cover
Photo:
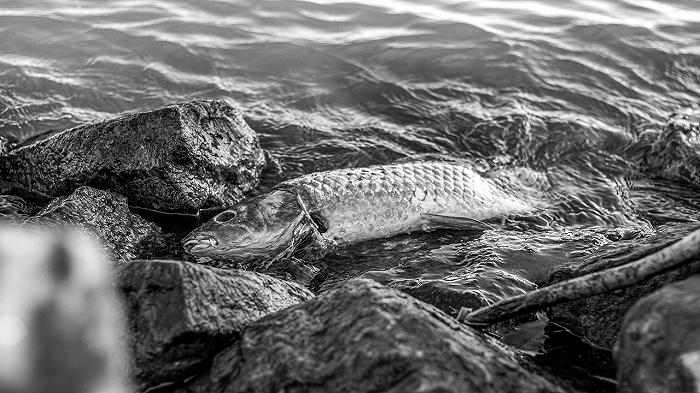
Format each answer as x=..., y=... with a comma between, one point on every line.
x=266, y=227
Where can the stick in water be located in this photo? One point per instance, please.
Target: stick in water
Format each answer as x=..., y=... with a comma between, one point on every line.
x=588, y=285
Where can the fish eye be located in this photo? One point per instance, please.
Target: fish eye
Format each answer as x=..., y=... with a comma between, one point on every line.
x=225, y=216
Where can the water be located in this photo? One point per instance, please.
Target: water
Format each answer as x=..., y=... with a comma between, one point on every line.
x=574, y=90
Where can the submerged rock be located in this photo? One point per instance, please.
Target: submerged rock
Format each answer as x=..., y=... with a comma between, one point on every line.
x=60, y=321
x=598, y=318
x=107, y=216
x=676, y=152
x=181, y=313
x=177, y=158
x=659, y=346
x=363, y=337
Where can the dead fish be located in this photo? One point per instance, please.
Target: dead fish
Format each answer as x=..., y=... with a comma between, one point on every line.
x=347, y=206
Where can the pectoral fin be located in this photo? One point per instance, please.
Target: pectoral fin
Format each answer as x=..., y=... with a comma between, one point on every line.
x=436, y=221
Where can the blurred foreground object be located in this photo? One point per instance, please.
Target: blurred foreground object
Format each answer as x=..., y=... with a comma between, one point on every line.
x=60, y=323
x=659, y=345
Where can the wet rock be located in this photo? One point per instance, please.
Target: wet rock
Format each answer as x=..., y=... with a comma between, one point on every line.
x=177, y=158
x=598, y=318
x=585, y=367
x=473, y=287
x=363, y=337
x=659, y=346
x=6, y=144
x=60, y=321
x=676, y=152
x=182, y=313
x=107, y=216
x=449, y=300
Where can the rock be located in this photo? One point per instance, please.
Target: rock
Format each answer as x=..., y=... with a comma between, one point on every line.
x=598, y=318
x=60, y=322
x=107, y=216
x=6, y=144
x=363, y=337
x=177, y=158
x=676, y=152
x=446, y=298
x=659, y=346
x=182, y=313
x=475, y=287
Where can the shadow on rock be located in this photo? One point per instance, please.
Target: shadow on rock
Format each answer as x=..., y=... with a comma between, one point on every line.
x=363, y=337
x=180, y=314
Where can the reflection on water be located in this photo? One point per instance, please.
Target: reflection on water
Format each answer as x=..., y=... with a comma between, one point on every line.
x=573, y=90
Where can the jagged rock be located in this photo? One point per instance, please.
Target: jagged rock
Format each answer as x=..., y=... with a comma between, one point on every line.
x=107, y=216
x=676, y=152
x=363, y=337
x=60, y=321
x=659, y=346
x=177, y=158
x=598, y=318
x=182, y=313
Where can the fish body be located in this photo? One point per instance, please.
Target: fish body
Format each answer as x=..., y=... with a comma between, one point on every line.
x=386, y=200
x=356, y=204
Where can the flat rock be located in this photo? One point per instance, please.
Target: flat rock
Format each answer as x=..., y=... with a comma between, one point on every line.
x=364, y=337
x=598, y=318
x=106, y=215
x=181, y=314
x=177, y=158
x=659, y=346
x=60, y=320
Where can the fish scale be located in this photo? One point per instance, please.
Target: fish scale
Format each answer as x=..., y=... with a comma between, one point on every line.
x=386, y=200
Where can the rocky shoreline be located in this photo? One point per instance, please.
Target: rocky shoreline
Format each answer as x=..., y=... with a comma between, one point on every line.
x=196, y=328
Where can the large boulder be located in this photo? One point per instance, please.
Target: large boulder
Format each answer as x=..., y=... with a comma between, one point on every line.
x=181, y=314
x=598, y=318
x=61, y=325
x=364, y=337
x=659, y=346
x=106, y=215
x=177, y=158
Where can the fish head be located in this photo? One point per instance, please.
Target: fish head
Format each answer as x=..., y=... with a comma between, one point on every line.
x=254, y=229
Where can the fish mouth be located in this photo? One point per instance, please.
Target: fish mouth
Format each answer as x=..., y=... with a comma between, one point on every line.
x=198, y=242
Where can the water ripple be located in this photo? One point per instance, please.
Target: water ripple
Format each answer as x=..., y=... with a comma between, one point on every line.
x=575, y=92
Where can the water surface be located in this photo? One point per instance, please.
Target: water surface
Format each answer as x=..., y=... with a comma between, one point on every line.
x=571, y=89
